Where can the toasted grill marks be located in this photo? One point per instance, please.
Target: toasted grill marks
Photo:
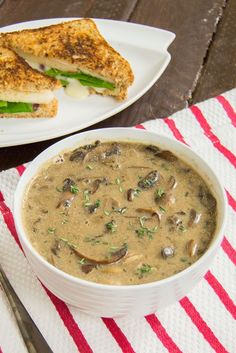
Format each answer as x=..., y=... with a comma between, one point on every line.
x=77, y=42
x=16, y=74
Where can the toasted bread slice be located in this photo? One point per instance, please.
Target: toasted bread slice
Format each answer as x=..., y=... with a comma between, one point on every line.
x=43, y=111
x=20, y=83
x=17, y=75
x=74, y=46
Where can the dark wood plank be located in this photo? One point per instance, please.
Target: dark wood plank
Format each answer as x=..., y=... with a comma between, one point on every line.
x=13, y=11
x=194, y=24
x=116, y=10
x=219, y=72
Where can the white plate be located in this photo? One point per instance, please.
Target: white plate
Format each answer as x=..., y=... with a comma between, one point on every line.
x=146, y=50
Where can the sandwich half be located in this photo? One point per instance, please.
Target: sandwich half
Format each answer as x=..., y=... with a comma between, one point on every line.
x=25, y=92
x=74, y=51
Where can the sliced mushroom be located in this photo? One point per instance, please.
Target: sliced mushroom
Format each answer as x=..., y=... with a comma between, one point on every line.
x=153, y=148
x=194, y=218
x=167, y=251
x=97, y=182
x=174, y=220
x=86, y=268
x=167, y=155
x=93, y=208
x=192, y=247
x=115, y=150
x=132, y=258
x=149, y=180
x=181, y=213
x=90, y=147
x=112, y=258
x=151, y=211
x=66, y=199
x=206, y=198
x=131, y=193
x=166, y=199
x=56, y=247
x=67, y=183
x=79, y=153
x=172, y=183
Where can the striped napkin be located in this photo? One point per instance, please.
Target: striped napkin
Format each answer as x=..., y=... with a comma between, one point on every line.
x=203, y=321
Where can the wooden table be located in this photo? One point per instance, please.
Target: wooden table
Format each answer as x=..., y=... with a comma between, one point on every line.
x=203, y=55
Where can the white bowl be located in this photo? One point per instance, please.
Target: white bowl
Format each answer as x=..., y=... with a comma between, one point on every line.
x=113, y=300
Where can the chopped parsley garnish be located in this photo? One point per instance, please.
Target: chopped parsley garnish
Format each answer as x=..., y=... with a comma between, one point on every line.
x=144, y=269
x=143, y=230
x=93, y=207
x=159, y=193
x=142, y=220
x=120, y=210
x=97, y=203
x=147, y=183
x=82, y=261
x=87, y=202
x=114, y=248
x=111, y=226
x=162, y=209
x=182, y=228
x=137, y=192
x=51, y=230
x=107, y=213
x=74, y=189
x=118, y=182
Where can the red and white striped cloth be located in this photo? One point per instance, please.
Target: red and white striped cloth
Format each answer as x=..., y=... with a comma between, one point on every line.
x=203, y=322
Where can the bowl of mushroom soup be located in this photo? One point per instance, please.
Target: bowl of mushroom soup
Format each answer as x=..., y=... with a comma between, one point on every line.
x=119, y=221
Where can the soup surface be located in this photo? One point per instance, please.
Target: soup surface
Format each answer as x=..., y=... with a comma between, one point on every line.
x=119, y=213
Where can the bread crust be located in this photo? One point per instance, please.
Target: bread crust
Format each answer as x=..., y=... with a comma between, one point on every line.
x=44, y=111
x=79, y=43
x=16, y=74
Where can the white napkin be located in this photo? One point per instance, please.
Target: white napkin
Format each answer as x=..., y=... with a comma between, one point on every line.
x=202, y=322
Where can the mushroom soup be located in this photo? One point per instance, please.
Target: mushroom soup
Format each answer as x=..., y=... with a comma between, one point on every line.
x=119, y=213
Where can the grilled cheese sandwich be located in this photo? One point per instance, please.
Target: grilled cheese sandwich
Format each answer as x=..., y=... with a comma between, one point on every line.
x=25, y=92
x=74, y=47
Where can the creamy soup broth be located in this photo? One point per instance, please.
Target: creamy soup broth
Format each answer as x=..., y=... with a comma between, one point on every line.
x=119, y=213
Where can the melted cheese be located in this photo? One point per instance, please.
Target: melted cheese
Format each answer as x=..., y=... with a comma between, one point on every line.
x=43, y=97
x=76, y=90
x=58, y=64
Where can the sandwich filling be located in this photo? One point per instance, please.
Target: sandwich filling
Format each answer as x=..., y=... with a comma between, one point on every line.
x=16, y=107
x=23, y=102
x=84, y=79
